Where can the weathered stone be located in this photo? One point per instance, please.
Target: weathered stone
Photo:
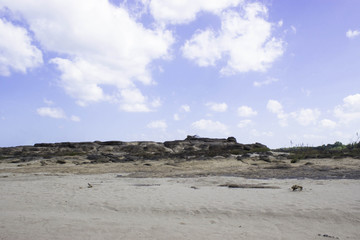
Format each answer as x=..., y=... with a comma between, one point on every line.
x=193, y=147
x=265, y=158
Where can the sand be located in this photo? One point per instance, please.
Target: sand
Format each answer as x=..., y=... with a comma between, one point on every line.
x=348, y=168
x=63, y=206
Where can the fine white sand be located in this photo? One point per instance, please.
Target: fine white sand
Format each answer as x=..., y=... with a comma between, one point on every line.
x=63, y=207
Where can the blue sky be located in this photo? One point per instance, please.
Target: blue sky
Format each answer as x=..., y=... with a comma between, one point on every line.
x=275, y=72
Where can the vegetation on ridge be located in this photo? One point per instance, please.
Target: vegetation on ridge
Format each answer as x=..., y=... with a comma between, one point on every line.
x=336, y=150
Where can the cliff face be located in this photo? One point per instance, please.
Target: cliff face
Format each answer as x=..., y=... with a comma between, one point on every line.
x=117, y=151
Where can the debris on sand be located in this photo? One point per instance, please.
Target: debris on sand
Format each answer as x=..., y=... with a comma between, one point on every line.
x=297, y=188
x=262, y=186
x=327, y=236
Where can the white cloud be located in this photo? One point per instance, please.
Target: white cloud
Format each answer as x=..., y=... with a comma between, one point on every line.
x=160, y=124
x=244, y=39
x=176, y=117
x=181, y=113
x=185, y=108
x=51, y=112
x=304, y=117
x=274, y=106
x=350, y=109
x=352, y=102
x=244, y=123
x=307, y=116
x=58, y=113
x=265, y=82
x=293, y=28
x=101, y=47
x=48, y=102
x=307, y=92
x=352, y=33
x=327, y=123
x=17, y=53
x=75, y=118
x=217, y=107
x=133, y=101
x=184, y=11
x=245, y=111
x=257, y=133
x=210, y=126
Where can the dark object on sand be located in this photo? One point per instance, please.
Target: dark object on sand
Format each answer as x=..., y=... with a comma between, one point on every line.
x=61, y=161
x=327, y=236
x=262, y=186
x=297, y=188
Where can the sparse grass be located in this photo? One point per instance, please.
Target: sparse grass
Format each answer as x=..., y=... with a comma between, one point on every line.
x=336, y=151
x=62, y=154
x=3, y=157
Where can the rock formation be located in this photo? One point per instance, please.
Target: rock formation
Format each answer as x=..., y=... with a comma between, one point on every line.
x=192, y=147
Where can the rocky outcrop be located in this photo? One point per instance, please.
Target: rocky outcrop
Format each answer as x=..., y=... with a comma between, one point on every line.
x=192, y=147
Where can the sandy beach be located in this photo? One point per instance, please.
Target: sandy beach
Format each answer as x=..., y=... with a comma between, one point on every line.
x=114, y=206
x=179, y=120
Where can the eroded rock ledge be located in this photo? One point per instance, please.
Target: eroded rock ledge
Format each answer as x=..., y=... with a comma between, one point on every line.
x=192, y=147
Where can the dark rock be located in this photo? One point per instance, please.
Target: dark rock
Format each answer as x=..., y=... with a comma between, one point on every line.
x=231, y=139
x=98, y=158
x=61, y=161
x=265, y=158
x=44, y=145
x=243, y=156
x=247, y=147
x=110, y=143
x=193, y=147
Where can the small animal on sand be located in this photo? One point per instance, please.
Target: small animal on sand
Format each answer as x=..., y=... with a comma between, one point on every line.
x=297, y=188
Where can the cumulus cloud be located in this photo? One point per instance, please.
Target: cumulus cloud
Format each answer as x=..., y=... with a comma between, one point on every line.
x=350, y=109
x=244, y=123
x=48, y=102
x=257, y=133
x=217, y=107
x=184, y=11
x=176, y=117
x=185, y=108
x=181, y=112
x=245, y=111
x=57, y=113
x=275, y=107
x=245, y=40
x=17, y=53
x=352, y=33
x=352, y=102
x=160, y=124
x=327, y=123
x=75, y=118
x=303, y=116
x=101, y=47
x=210, y=126
x=134, y=101
x=306, y=116
x=51, y=112
x=265, y=82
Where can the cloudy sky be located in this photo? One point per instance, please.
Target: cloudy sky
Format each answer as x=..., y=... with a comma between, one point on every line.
x=272, y=71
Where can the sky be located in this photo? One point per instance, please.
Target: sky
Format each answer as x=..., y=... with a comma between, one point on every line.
x=279, y=72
